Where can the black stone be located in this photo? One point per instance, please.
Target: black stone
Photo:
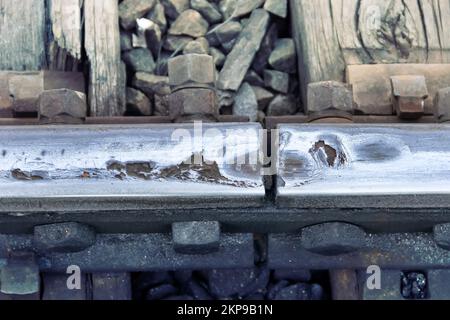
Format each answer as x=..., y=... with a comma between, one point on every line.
x=161, y=292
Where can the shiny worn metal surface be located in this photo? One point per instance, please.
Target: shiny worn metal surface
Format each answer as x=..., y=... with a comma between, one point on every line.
x=129, y=166
x=370, y=166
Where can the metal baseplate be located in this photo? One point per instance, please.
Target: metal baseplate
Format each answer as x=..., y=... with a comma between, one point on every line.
x=328, y=190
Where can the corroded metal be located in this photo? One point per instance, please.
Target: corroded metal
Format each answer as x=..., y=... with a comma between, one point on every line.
x=409, y=94
x=372, y=87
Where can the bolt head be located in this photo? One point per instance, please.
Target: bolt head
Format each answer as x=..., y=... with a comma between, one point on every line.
x=329, y=95
x=62, y=103
x=193, y=101
x=192, y=70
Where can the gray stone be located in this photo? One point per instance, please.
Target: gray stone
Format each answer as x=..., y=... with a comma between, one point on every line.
x=125, y=41
x=139, y=59
x=244, y=7
x=254, y=79
x=162, y=68
x=64, y=237
x=158, y=16
x=282, y=105
x=333, y=238
x=218, y=56
x=263, y=96
x=245, y=103
x=441, y=235
x=226, y=98
x=329, y=95
x=196, y=237
x=151, y=84
x=240, y=58
x=176, y=43
x=137, y=102
x=277, y=7
x=239, y=8
x=173, y=8
x=227, y=7
x=283, y=57
x=207, y=9
x=225, y=32
x=189, y=23
x=130, y=10
x=277, y=80
x=228, y=46
x=261, y=60
x=198, y=46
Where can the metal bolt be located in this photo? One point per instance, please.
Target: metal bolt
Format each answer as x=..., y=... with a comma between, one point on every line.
x=64, y=237
x=62, y=106
x=329, y=97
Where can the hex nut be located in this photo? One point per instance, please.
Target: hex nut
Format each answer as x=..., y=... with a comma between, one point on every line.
x=62, y=105
x=196, y=237
x=64, y=237
x=189, y=70
x=442, y=104
x=193, y=101
x=328, y=96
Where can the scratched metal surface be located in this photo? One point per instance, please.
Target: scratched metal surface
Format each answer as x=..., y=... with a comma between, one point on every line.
x=370, y=166
x=127, y=165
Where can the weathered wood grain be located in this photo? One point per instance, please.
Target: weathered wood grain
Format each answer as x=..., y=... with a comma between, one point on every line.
x=22, y=35
x=102, y=45
x=65, y=38
x=331, y=34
